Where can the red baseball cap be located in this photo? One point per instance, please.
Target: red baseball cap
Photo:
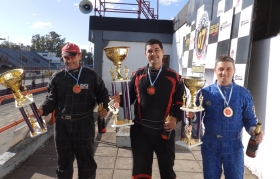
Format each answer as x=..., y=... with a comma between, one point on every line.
x=70, y=49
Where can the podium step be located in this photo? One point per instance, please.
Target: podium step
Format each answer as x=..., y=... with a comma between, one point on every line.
x=123, y=137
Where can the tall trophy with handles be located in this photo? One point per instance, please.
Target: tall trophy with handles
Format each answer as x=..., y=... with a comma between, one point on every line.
x=12, y=79
x=117, y=55
x=194, y=83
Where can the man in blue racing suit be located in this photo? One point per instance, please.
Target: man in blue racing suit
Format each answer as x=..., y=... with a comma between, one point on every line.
x=228, y=108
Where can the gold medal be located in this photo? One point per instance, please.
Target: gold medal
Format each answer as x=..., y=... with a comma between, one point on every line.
x=151, y=90
x=228, y=112
x=77, y=89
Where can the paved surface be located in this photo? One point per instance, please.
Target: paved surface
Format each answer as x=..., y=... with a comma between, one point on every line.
x=113, y=162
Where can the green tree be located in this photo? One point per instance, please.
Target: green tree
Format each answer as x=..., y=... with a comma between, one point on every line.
x=87, y=57
x=6, y=44
x=51, y=42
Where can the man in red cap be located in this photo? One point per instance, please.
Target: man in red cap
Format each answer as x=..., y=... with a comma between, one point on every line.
x=73, y=92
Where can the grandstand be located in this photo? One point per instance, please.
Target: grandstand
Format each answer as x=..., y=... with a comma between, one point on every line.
x=29, y=61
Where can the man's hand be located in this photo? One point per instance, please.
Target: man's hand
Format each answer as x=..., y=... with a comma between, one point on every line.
x=117, y=98
x=259, y=137
x=40, y=111
x=170, y=125
x=103, y=113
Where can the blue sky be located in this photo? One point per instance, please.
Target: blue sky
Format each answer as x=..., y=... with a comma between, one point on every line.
x=21, y=19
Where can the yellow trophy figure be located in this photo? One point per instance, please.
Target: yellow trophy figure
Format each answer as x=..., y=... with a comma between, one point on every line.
x=184, y=100
x=114, y=108
x=125, y=71
x=31, y=121
x=188, y=133
x=112, y=72
x=116, y=121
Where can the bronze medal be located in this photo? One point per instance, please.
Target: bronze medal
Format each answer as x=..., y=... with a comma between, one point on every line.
x=151, y=90
x=77, y=89
x=228, y=112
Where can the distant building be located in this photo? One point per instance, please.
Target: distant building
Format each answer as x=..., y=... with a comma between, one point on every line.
x=51, y=57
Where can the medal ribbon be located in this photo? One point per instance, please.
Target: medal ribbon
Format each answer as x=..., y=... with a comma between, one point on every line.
x=227, y=102
x=77, y=79
x=152, y=83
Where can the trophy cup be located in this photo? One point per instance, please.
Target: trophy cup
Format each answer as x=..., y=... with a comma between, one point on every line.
x=117, y=55
x=12, y=79
x=194, y=84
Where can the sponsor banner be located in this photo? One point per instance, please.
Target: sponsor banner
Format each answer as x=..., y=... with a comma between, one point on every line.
x=221, y=7
x=245, y=22
x=225, y=25
x=239, y=75
x=237, y=4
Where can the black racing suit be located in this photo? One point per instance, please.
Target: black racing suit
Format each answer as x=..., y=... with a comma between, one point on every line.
x=75, y=128
x=150, y=113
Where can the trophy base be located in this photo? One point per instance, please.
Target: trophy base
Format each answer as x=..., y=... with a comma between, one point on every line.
x=122, y=125
x=38, y=130
x=183, y=144
x=192, y=110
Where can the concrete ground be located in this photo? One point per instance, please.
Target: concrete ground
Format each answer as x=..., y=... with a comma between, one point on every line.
x=113, y=162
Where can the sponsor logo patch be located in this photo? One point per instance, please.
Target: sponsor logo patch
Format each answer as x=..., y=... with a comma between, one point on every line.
x=84, y=86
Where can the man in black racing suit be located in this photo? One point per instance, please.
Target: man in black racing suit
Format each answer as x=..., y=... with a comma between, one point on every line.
x=73, y=92
x=157, y=92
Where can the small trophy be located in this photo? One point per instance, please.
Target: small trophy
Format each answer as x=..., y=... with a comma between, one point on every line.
x=194, y=84
x=12, y=79
x=117, y=55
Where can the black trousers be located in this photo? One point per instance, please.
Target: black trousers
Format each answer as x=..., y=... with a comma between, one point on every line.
x=75, y=139
x=144, y=142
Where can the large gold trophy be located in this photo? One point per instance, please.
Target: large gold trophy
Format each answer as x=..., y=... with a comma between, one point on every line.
x=12, y=79
x=194, y=84
x=117, y=55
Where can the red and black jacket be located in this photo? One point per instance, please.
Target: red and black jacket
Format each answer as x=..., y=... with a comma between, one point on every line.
x=167, y=99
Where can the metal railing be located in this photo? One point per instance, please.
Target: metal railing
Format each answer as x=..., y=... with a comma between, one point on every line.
x=142, y=7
